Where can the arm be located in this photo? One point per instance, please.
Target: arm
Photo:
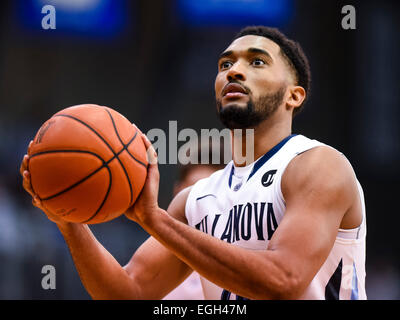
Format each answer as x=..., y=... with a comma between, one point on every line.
x=318, y=187
x=152, y=272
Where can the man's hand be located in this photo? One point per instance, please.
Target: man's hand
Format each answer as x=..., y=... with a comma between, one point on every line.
x=26, y=183
x=146, y=205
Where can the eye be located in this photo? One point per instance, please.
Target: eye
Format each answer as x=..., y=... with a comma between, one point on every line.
x=225, y=65
x=258, y=62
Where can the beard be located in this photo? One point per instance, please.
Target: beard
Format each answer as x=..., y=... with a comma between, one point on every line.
x=236, y=117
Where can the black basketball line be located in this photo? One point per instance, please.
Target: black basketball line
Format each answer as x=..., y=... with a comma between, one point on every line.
x=109, y=186
x=104, y=165
x=107, y=144
x=116, y=131
x=78, y=182
x=105, y=197
x=86, y=125
x=66, y=150
x=125, y=147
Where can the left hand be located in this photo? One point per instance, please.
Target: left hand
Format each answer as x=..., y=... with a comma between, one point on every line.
x=147, y=202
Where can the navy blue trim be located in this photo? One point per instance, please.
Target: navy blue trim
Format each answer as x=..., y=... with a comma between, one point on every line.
x=241, y=298
x=269, y=155
x=230, y=176
x=263, y=159
x=332, y=289
x=225, y=295
x=207, y=195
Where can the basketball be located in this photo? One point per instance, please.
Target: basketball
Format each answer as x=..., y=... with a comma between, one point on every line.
x=88, y=164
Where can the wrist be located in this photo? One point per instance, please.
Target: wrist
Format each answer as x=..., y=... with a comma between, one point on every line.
x=64, y=226
x=152, y=218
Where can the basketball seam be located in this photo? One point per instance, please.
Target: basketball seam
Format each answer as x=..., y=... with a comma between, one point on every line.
x=104, y=165
x=65, y=150
x=116, y=131
x=125, y=147
x=78, y=182
x=116, y=156
x=104, y=199
x=107, y=144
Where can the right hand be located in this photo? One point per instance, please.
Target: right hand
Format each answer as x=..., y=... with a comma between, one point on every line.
x=146, y=204
x=35, y=198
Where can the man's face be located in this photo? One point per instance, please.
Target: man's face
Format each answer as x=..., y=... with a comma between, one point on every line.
x=251, y=82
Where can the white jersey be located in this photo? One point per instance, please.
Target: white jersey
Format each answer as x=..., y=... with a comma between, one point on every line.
x=246, y=209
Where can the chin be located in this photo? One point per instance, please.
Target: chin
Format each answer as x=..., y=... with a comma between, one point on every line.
x=234, y=104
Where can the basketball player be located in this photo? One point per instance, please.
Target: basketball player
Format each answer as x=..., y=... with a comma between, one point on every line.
x=289, y=225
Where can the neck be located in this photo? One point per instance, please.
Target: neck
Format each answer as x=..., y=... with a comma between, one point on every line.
x=266, y=135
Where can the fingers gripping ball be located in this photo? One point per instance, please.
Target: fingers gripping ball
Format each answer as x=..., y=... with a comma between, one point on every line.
x=88, y=164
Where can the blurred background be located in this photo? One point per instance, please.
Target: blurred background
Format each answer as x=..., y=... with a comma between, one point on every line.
x=156, y=61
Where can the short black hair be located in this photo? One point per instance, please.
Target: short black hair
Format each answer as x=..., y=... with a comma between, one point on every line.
x=291, y=51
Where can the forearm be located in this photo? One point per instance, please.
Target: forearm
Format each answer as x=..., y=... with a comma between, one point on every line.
x=251, y=274
x=102, y=276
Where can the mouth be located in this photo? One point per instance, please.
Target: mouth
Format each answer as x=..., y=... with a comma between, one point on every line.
x=233, y=90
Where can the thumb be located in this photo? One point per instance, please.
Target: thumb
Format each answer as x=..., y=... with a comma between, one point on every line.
x=151, y=152
x=153, y=175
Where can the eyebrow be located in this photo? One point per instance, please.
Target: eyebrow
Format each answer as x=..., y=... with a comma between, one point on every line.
x=225, y=54
x=261, y=51
x=250, y=50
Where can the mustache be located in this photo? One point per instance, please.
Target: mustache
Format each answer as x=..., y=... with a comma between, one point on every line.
x=248, y=91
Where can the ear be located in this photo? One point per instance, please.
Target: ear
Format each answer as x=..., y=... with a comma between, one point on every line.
x=296, y=97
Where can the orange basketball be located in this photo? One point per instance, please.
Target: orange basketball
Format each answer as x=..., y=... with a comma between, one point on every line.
x=88, y=164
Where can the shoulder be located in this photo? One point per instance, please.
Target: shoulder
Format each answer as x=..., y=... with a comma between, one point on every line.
x=323, y=172
x=177, y=206
x=321, y=159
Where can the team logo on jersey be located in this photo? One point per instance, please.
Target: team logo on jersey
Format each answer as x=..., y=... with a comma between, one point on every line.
x=242, y=221
x=268, y=178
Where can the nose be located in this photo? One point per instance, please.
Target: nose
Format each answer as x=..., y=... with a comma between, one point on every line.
x=236, y=72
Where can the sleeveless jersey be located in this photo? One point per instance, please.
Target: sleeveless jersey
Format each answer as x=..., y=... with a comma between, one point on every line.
x=248, y=214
